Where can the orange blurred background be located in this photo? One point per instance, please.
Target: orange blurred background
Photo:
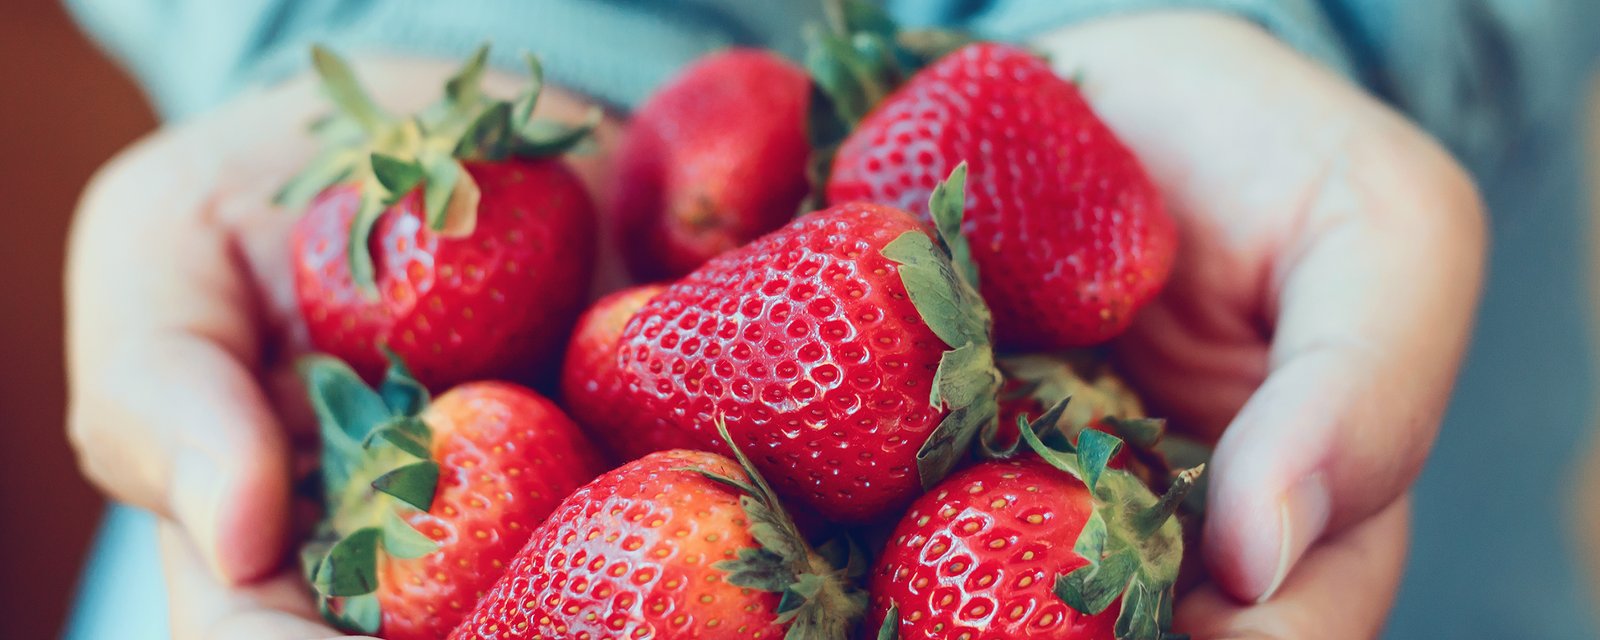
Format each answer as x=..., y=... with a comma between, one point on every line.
x=65, y=109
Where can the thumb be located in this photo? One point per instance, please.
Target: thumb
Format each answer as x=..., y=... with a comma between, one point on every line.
x=1374, y=302
x=177, y=425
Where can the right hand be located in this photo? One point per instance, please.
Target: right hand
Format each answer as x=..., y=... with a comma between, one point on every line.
x=183, y=329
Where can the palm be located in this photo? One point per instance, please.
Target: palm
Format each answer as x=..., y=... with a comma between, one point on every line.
x=1305, y=330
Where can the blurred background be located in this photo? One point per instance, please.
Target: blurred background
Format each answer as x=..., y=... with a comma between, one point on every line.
x=64, y=109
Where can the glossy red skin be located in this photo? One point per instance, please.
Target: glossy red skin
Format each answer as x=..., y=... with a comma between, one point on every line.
x=507, y=458
x=630, y=556
x=592, y=354
x=977, y=557
x=712, y=160
x=1069, y=234
x=807, y=343
x=497, y=303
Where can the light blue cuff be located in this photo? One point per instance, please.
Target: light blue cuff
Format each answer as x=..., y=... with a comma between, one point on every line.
x=1300, y=23
x=614, y=52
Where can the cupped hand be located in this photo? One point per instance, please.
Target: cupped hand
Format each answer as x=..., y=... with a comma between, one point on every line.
x=183, y=330
x=1330, y=261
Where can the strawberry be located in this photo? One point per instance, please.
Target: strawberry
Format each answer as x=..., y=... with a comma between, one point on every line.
x=1039, y=386
x=715, y=159
x=428, y=501
x=848, y=352
x=1070, y=234
x=456, y=238
x=592, y=354
x=1101, y=400
x=675, y=545
x=1048, y=544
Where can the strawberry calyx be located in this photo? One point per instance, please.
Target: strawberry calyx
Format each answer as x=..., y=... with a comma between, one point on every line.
x=387, y=155
x=1100, y=398
x=819, y=598
x=941, y=279
x=1132, y=540
x=376, y=469
x=855, y=61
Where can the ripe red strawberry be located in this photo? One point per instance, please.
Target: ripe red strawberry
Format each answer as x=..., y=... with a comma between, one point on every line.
x=428, y=502
x=454, y=238
x=850, y=357
x=1037, y=388
x=1049, y=545
x=1067, y=229
x=592, y=355
x=1100, y=399
x=713, y=160
x=675, y=545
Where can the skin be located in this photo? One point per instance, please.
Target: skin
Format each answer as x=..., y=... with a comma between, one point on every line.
x=1307, y=329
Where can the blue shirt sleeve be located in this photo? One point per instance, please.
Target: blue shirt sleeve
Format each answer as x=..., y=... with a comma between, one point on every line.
x=1301, y=23
x=192, y=54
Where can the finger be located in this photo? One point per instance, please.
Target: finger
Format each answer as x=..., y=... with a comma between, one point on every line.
x=1372, y=301
x=278, y=608
x=1342, y=589
x=166, y=411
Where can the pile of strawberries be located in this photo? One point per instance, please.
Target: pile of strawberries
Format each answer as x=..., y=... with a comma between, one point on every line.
x=851, y=422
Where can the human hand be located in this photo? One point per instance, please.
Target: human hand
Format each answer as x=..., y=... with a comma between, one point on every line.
x=1329, y=266
x=183, y=330
x=275, y=607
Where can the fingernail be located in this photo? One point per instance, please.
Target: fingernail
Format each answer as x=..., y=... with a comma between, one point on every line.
x=1302, y=514
x=198, y=493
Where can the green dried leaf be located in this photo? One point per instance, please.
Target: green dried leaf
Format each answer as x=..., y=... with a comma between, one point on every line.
x=329, y=168
x=924, y=46
x=759, y=569
x=1095, y=450
x=413, y=484
x=744, y=488
x=397, y=176
x=489, y=137
x=936, y=291
x=522, y=109
x=848, y=17
x=398, y=432
x=465, y=88
x=965, y=375
x=1146, y=612
x=772, y=530
x=847, y=78
x=362, y=614
x=401, y=391
x=403, y=541
x=442, y=174
x=351, y=566
x=346, y=412
x=1092, y=588
x=947, y=205
x=891, y=624
x=345, y=91
x=1139, y=433
x=1057, y=459
x=362, y=270
x=949, y=441
x=544, y=139
x=821, y=606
